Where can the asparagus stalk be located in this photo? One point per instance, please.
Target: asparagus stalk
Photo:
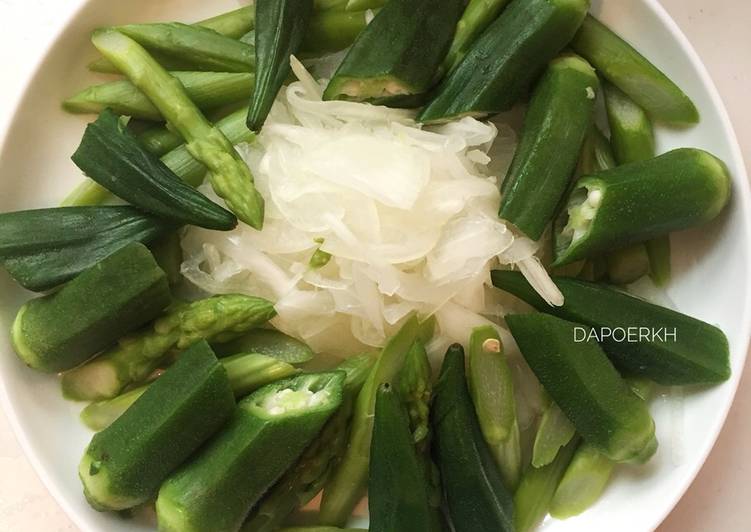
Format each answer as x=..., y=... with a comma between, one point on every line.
x=350, y=478
x=320, y=529
x=234, y=24
x=246, y=372
x=229, y=174
x=492, y=390
x=331, y=31
x=208, y=90
x=476, y=18
x=554, y=433
x=160, y=140
x=307, y=478
x=136, y=356
x=359, y=5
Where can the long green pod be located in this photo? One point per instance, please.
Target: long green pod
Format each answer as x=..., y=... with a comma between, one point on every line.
x=477, y=16
x=125, y=464
x=665, y=346
x=44, y=248
x=631, y=72
x=399, y=53
x=492, y=389
x=279, y=34
x=233, y=24
x=208, y=90
x=554, y=432
x=229, y=175
x=537, y=489
x=506, y=59
x=636, y=202
x=398, y=494
x=349, y=480
x=585, y=385
x=332, y=31
x=557, y=121
x=475, y=494
x=137, y=355
x=246, y=373
x=597, y=153
x=112, y=156
x=627, y=265
x=117, y=296
x=268, y=432
x=312, y=471
x=271, y=343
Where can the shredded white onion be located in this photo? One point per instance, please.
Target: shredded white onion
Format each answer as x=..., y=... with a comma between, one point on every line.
x=409, y=215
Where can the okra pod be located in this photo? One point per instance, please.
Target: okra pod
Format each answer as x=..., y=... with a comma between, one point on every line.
x=557, y=121
x=585, y=385
x=309, y=475
x=554, y=432
x=537, y=488
x=137, y=355
x=271, y=343
x=492, y=389
x=506, y=59
x=349, y=480
x=639, y=201
x=268, y=432
x=398, y=493
x=597, y=153
x=399, y=53
x=125, y=464
x=44, y=248
x=476, y=496
x=246, y=373
x=684, y=350
x=631, y=72
x=229, y=175
x=279, y=34
x=115, y=297
x=627, y=265
x=168, y=254
x=477, y=16
x=112, y=156
x=208, y=90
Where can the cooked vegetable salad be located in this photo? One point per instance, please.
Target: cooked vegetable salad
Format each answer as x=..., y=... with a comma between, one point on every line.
x=296, y=217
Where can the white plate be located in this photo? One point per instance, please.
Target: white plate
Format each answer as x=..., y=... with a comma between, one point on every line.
x=711, y=266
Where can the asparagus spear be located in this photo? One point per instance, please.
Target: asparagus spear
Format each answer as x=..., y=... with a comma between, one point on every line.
x=306, y=479
x=136, y=356
x=332, y=31
x=554, y=433
x=229, y=174
x=359, y=5
x=492, y=390
x=350, y=478
x=477, y=16
x=246, y=372
x=208, y=90
x=320, y=529
x=160, y=140
x=234, y=24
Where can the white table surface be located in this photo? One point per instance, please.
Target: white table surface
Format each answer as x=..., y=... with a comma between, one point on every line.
x=718, y=499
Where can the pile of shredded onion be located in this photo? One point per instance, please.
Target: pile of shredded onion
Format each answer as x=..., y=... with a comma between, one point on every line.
x=408, y=215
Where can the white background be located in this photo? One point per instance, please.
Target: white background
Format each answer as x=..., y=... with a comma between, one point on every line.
x=719, y=30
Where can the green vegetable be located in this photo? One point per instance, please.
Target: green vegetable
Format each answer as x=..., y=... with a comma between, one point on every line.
x=597, y=153
x=233, y=24
x=685, y=351
x=492, y=389
x=627, y=265
x=477, y=16
x=349, y=480
x=320, y=529
x=44, y=248
x=658, y=251
x=168, y=253
x=476, y=497
x=585, y=385
x=195, y=45
x=112, y=156
x=636, y=202
x=279, y=34
x=359, y=5
x=631, y=72
x=269, y=431
x=537, y=488
x=124, y=464
x=506, y=59
x=208, y=90
x=399, y=53
x=398, y=495
x=118, y=295
x=246, y=373
x=229, y=175
x=271, y=343
x=554, y=432
x=331, y=31
x=557, y=121
x=309, y=475
x=159, y=140
x=136, y=356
